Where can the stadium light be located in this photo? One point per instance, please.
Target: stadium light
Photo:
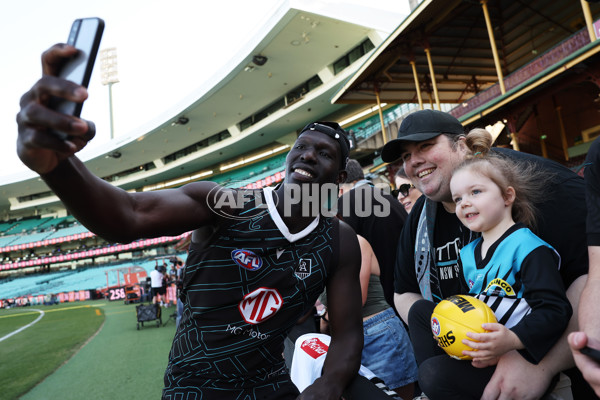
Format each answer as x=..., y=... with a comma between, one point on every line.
x=109, y=76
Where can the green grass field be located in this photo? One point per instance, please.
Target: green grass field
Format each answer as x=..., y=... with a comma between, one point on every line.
x=88, y=350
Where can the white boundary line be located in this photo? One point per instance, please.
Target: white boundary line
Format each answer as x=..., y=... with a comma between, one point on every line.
x=26, y=326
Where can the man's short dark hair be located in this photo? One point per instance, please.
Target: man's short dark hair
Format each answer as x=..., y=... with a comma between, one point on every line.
x=354, y=171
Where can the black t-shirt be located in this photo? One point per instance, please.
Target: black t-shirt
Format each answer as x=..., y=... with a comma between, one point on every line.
x=561, y=223
x=378, y=217
x=449, y=241
x=592, y=183
x=449, y=237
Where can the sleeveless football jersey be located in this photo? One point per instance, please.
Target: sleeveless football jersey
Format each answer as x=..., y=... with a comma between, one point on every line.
x=498, y=282
x=244, y=289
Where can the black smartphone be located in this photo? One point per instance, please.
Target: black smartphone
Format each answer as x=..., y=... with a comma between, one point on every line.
x=85, y=35
x=592, y=353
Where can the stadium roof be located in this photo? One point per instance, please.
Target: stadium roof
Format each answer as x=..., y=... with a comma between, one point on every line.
x=293, y=47
x=538, y=82
x=456, y=36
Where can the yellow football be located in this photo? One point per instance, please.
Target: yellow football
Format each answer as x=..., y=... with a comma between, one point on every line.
x=453, y=317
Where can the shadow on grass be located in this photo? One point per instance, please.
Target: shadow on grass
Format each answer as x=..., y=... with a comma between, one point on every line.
x=119, y=362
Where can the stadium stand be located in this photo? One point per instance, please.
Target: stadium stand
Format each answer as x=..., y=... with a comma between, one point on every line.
x=33, y=237
x=27, y=225
x=71, y=230
x=7, y=240
x=5, y=226
x=86, y=278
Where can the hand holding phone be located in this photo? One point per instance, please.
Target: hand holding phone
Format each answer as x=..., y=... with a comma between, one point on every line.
x=592, y=353
x=85, y=36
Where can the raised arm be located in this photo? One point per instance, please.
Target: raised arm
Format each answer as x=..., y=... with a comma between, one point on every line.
x=344, y=308
x=110, y=212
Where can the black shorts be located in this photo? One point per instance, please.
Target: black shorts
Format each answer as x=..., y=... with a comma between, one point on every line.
x=159, y=290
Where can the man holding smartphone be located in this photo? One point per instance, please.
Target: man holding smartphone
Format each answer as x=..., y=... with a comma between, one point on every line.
x=228, y=345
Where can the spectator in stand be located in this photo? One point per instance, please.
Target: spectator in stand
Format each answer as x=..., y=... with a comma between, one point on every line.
x=431, y=144
x=406, y=192
x=158, y=290
x=375, y=215
x=509, y=268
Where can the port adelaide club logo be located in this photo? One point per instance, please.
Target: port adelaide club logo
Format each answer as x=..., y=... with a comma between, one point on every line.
x=302, y=270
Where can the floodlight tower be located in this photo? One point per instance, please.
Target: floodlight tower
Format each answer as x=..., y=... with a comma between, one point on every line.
x=109, y=76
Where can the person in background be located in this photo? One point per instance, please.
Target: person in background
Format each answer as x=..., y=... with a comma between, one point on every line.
x=509, y=268
x=147, y=289
x=374, y=214
x=158, y=290
x=387, y=351
x=406, y=192
x=430, y=145
x=589, y=320
x=179, y=285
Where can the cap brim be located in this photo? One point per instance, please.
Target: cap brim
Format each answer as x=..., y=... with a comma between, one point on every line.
x=394, y=148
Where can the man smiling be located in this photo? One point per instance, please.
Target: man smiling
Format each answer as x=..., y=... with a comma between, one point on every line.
x=251, y=273
x=431, y=144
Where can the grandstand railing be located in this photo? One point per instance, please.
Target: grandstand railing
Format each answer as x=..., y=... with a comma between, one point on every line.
x=46, y=242
x=530, y=70
x=117, y=248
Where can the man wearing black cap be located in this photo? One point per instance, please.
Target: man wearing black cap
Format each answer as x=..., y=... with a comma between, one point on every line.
x=431, y=144
x=257, y=261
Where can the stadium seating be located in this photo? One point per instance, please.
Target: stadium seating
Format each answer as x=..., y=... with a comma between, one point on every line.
x=71, y=280
x=27, y=225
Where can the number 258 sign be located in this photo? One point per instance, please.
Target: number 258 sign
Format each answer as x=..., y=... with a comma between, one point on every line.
x=116, y=293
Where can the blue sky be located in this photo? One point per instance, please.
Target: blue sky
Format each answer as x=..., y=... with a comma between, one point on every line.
x=160, y=56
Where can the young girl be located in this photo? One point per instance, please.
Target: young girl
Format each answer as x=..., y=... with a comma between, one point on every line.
x=508, y=267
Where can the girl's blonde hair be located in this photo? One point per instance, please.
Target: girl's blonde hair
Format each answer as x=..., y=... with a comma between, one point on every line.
x=527, y=181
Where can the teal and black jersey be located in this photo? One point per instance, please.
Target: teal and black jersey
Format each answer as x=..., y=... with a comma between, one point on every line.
x=244, y=289
x=520, y=281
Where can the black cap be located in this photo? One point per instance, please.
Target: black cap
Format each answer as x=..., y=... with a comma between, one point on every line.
x=419, y=126
x=334, y=131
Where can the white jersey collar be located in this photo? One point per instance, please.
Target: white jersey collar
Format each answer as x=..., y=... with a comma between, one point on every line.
x=291, y=237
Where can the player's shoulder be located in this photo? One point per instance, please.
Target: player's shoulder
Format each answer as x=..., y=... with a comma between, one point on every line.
x=348, y=238
x=346, y=231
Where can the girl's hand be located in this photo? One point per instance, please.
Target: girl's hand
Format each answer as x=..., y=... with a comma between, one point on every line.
x=489, y=346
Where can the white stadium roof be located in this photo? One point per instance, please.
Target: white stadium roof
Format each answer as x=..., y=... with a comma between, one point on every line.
x=297, y=42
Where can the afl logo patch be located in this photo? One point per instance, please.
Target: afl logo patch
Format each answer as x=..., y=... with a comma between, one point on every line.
x=260, y=305
x=246, y=259
x=435, y=326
